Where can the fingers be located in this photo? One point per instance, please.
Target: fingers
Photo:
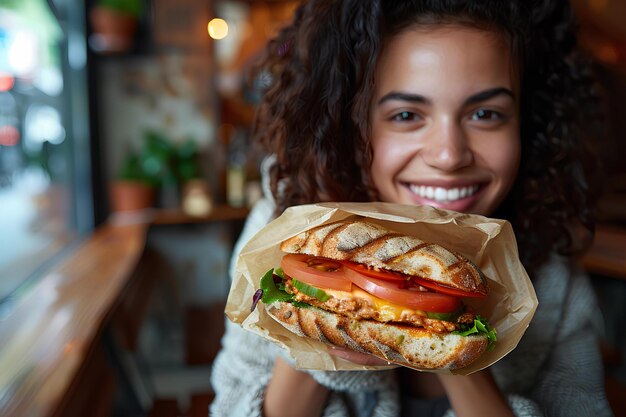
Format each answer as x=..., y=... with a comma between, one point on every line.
x=357, y=357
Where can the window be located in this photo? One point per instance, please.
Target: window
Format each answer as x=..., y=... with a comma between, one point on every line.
x=45, y=181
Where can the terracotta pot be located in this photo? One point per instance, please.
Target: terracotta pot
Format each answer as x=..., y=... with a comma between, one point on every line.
x=114, y=31
x=130, y=195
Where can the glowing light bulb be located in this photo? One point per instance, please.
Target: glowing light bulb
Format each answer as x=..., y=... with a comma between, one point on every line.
x=218, y=28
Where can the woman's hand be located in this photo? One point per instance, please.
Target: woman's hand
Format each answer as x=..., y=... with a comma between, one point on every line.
x=475, y=395
x=293, y=393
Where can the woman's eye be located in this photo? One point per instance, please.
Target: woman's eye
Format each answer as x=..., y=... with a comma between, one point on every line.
x=406, y=116
x=486, y=115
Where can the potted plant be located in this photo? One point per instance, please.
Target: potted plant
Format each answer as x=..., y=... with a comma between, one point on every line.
x=134, y=188
x=177, y=164
x=160, y=169
x=114, y=24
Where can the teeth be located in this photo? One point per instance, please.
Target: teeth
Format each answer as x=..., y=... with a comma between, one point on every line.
x=442, y=194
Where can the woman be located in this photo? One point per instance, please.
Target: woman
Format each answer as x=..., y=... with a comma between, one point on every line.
x=471, y=106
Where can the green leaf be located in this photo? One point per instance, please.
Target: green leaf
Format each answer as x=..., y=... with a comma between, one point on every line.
x=128, y=7
x=187, y=150
x=480, y=325
x=451, y=317
x=271, y=294
x=310, y=290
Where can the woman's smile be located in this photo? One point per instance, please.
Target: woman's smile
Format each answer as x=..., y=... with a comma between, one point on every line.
x=457, y=198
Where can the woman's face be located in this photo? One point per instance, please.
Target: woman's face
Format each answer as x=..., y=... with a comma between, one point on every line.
x=445, y=120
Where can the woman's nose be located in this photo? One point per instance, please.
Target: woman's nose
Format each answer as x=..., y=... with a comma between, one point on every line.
x=447, y=148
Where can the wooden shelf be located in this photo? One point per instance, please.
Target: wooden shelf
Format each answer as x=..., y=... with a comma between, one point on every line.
x=217, y=214
x=222, y=213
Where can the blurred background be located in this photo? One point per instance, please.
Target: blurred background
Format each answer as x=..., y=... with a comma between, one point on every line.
x=134, y=117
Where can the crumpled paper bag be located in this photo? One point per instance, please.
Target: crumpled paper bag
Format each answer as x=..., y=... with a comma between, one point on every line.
x=489, y=243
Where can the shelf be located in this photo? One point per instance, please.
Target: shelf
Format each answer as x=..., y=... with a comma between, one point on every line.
x=159, y=216
x=217, y=214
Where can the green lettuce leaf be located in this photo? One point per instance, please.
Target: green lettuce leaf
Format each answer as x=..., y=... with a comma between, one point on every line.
x=451, y=317
x=480, y=325
x=271, y=293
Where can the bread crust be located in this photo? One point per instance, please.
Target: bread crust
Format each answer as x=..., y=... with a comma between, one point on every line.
x=402, y=344
x=373, y=245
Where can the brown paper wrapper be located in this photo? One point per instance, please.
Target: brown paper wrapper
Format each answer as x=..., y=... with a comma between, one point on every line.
x=489, y=243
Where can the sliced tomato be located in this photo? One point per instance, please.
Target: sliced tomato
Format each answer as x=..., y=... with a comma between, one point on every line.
x=380, y=274
x=397, y=276
x=435, y=286
x=397, y=293
x=315, y=271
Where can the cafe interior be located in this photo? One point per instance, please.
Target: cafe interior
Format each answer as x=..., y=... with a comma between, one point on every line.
x=127, y=170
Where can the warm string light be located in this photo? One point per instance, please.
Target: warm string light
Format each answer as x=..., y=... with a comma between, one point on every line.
x=218, y=28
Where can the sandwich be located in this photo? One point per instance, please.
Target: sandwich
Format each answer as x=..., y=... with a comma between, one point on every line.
x=357, y=285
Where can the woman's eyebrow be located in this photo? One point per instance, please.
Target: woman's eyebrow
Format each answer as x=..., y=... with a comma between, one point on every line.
x=475, y=98
x=488, y=94
x=413, y=98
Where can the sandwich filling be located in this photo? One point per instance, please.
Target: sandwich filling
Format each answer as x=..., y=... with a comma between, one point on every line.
x=354, y=298
x=358, y=304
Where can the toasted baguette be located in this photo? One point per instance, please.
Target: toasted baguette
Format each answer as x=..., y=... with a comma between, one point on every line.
x=404, y=345
x=373, y=245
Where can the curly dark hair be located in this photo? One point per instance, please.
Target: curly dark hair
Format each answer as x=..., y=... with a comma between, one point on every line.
x=314, y=116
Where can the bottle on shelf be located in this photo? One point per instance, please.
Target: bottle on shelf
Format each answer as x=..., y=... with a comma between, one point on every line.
x=236, y=170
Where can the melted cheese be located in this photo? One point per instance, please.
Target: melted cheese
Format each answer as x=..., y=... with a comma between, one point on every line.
x=388, y=310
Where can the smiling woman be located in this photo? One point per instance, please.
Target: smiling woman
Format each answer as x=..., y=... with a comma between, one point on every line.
x=450, y=137
x=480, y=107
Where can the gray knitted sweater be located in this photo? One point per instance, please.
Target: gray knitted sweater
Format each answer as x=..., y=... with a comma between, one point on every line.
x=555, y=370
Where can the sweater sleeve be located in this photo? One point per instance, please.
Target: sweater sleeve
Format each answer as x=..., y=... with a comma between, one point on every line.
x=244, y=364
x=521, y=406
x=240, y=374
x=572, y=382
x=556, y=370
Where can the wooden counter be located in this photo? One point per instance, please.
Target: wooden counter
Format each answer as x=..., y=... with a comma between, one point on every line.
x=52, y=332
x=46, y=337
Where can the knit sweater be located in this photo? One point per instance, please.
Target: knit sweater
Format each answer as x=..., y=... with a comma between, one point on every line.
x=555, y=370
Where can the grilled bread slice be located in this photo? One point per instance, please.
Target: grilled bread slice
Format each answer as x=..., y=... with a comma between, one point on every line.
x=375, y=246
x=402, y=344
